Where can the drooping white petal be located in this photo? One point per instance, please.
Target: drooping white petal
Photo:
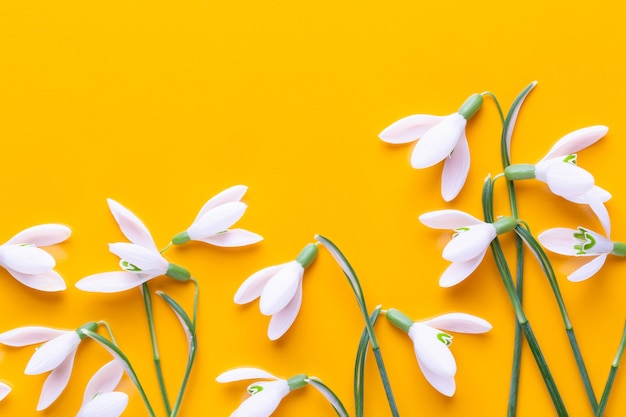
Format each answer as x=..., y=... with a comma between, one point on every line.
x=470, y=243
x=149, y=261
x=281, y=288
x=455, y=170
x=598, y=207
x=5, y=389
x=576, y=141
x=233, y=238
x=588, y=269
x=229, y=195
x=108, y=404
x=26, y=259
x=445, y=384
x=49, y=281
x=216, y=220
x=458, y=271
x=459, y=322
x=109, y=282
x=131, y=226
x=282, y=321
x=52, y=353
x=448, y=219
x=56, y=382
x=265, y=401
x=565, y=179
x=252, y=287
x=29, y=335
x=561, y=240
x=239, y=374
x=41, y=235
x=409, y=129
x=104, y=380
x=434, y=357
x=438, y=142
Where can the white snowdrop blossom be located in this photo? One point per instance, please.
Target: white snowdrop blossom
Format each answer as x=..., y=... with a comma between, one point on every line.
x=581, y=242
x=5, y=389
x=100, y=399
x=213, y=222
x=559, y=170
x=470, y=241
x=279, y=289
x=440, y=138
x=431, y=344
x=55, y=355
x=140, y=259
x=23, y=258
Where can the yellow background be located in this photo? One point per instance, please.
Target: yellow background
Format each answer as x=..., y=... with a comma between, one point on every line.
x=160, y=104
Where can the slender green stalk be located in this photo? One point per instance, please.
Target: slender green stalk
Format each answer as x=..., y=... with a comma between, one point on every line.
x=359, y=366
x=614, y=367
x=496, y=102
x=358, y=292
x=147, y=301
x=109, y=330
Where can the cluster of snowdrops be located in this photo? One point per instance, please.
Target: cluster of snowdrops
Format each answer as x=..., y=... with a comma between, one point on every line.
x=440, y=139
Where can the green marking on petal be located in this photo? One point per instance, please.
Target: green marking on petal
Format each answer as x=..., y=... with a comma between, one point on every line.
x=570, y=159
x=460, y=230
x=255, y=389
x=444, y=338
x=585, y=240
x=127, y=266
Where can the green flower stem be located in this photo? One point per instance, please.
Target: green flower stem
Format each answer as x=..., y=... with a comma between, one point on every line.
x=549, y=272
x=496, y=102
x=109, y=331
x=609, y=382
x=359, y=366
x=147, y=301
x=358, y=292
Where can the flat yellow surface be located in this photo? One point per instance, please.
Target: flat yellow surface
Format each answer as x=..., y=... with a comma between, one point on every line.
x=161, y=104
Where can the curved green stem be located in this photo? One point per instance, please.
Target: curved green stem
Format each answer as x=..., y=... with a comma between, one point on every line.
x=497, y=103
x=614, y=367
x=109, y=331
x=359, y=367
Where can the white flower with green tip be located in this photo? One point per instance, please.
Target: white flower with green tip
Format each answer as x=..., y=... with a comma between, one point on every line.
x=440, y=138
x=431, y=344
x=279, y=289
x=140, y=259
x=22, y=257
x=469, y=243
x=581, y=242
x=100, y=399
x=213, y=222
x=5, y=389
x=55, y=355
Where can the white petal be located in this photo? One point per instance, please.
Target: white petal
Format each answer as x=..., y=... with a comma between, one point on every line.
x=56, y=382
x=588, y=269
x=448, y=219
x=109, y=404
x=458, y=271
x=29, y=335
x=52, y=353
x=149, y=261
x=438, y=142
x=253, y=286
x=42, y=235
x=469, y=244
x=445, y=384
x=216, y=220
x=459, y=322
x=282, y=321
x=433, y=354
x=559, y=240
x=4, y=390
x=112, y=281
x=104, y=380
x=596, y=193
x=566, y=179
x=233, y=238
x=281, y=288
x=409, y=129
x=131, y=226
x=240, y=374
x=455, y=170
x=576, y=141
x=229, y=195
x=600, y=210
x=49, y=281
x=265, y=402
x=26, y=259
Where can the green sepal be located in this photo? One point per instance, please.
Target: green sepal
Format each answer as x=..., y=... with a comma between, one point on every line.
x=182, y=237
x=505, y=224
x=91, y=326
x=297, y=381
x=399, y=319
x=471, y=106
x=307, y=255
x=519, y=172
x=178, y=272
x=619, y=249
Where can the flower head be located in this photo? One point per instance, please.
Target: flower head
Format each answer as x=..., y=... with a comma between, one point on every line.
x=440, y=137
x=30, y=265
x=581, y=242
x=213, y=222
x=100, y=399
x=432, y=345
x=140, y=260
x=279, y=288
x=470, y=241
x=55, y=355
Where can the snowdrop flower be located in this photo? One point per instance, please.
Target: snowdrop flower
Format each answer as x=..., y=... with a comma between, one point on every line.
x=581, y=242
x=559, y=170
x=470, y=240
x=5, y=389
x=280, y=290
x=100, y=400
x=30, y=265
x=214, y=219
x=56, y=355
x=140, y=259
x=432, y=345
x=440, y=137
